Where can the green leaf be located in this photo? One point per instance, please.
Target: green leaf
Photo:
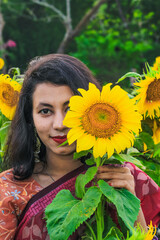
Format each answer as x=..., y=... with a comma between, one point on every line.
x=83, y=179
x=128, y=158
x=126, y=203
x=3, y=133
x=64, y=143
x=113, y=160
x=65, y=214
x=78, y=155
x=138, y=143
x=114, y=234
x=147, y=139
x=156, y=150
x=129, y=74
x=90, y=161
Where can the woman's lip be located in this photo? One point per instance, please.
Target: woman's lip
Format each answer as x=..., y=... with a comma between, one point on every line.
x=59, y=139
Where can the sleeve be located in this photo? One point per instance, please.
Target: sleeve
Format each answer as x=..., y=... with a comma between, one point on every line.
x=149, y=194
x=8, y=218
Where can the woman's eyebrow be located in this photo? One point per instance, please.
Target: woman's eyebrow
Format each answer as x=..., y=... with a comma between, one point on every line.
x=44, y=105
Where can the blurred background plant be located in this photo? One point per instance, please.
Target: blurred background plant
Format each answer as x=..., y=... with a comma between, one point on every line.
x=145, y=91
x=9, y=95
x=111, y=37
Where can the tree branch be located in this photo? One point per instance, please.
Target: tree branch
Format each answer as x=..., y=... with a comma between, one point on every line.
x=68, y=21
x=124, y=20
x=52, y=7
x=86, y=19
x=81, y=25
x=121, y=14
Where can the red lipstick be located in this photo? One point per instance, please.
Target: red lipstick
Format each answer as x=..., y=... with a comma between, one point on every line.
x=60, y=139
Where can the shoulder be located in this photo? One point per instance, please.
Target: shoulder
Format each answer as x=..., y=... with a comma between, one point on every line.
x=8, y=173
x=16, y=192
x=6, y=178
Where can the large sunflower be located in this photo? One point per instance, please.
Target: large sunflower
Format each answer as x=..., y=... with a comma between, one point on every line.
x=149, y=96
x=1, y=63
x=156, y=65
x=156, y=131
x=9, y=94
x=105, y=121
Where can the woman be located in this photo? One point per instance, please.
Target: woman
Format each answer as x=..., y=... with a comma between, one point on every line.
x=41, y=168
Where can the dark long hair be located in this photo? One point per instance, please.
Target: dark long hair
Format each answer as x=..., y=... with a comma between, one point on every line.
x=58, y=69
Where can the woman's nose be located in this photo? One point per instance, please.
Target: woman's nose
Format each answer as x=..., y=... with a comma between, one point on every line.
x=58, y=121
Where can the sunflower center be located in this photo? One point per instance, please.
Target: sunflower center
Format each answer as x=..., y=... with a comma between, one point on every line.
x=101, y=120
x=8, y=95
x=153, y=91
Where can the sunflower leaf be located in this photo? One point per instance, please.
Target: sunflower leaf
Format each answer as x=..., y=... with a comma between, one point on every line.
x=3, y=133
x=65, y=214
x=128, y=158
x=90, y=161
x=129, y=74
x=114, y=234
x=147, y=139
x=82, y=180
x=126, y=203
x=81, y=154
x=64, y=143
x=156, y=150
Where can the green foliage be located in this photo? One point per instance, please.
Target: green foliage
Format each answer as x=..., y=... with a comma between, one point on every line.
x=65, y=213
x=126, y=203
x=4, y=128
x=129, y=74
x=83, y=179
x=128, y=158
x=114, y=234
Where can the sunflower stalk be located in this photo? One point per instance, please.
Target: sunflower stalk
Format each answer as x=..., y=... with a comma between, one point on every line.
x=98, y=162
x=100, y=219
x=91, y=230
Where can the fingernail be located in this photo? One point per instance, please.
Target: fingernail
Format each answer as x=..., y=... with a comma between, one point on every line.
x=110, y=184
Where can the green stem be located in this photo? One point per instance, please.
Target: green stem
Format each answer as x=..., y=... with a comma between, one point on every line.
x=100, y=220
x=98, y=161
x=91, y=229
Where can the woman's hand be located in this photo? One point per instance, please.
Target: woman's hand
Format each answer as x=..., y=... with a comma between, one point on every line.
x=118, y=177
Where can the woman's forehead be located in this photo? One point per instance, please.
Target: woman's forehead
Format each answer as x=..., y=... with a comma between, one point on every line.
x=51, y=93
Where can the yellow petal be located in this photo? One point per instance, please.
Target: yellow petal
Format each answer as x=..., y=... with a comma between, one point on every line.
x=105, y=92
x=99, y=148
x=110, y=148
x=85, y=142
x=76, y=104
x=72, y=119
x=74, y=134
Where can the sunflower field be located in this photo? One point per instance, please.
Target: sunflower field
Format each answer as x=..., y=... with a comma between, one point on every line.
x=114, y=126
x=143, y=137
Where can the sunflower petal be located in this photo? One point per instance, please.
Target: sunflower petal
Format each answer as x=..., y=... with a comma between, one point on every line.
x=74, y=134
x=99, y=148
x=85, y=142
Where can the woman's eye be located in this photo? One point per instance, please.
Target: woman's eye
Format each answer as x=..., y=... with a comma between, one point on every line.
x=45, y=111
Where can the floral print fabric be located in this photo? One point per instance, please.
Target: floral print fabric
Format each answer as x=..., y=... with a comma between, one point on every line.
x=14, y=195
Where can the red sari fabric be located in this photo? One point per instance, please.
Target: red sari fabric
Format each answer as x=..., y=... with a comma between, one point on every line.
x=32, y=224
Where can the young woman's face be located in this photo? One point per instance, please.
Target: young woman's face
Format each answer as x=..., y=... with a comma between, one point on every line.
x=50, y=105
